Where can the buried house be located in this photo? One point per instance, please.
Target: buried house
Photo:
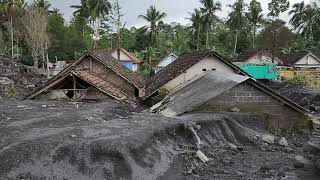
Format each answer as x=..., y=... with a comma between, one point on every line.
x=216, y=91
x=96, y=75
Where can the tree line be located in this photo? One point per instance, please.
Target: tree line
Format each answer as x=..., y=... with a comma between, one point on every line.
x=30, y=31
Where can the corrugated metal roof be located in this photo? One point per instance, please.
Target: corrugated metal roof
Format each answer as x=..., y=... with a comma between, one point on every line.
x=206, y=87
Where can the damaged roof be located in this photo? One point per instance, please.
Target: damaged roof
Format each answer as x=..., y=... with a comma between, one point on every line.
x=181, y=65
x=208, y=86
x=106, y=59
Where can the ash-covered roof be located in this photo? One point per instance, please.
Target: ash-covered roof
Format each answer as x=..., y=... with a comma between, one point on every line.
x=181, y=65
x=208, y=86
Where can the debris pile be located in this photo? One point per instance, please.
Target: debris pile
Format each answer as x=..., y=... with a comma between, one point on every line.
x=17, y=80
x=309, y=99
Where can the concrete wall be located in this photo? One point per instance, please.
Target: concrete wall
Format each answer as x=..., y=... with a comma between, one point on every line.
x=110, y=76
x=196, y=70
x=248, y=99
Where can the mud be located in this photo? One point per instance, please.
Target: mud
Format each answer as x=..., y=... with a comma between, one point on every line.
x=17, y=80
x=57, y=140
x=309, y=99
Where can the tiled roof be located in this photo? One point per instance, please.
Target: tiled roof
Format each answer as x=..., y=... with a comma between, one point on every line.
x=133, y=77
x=291, y=59
x=180, y=65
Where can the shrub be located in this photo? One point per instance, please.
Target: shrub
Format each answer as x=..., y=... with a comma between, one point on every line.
x=306, y=81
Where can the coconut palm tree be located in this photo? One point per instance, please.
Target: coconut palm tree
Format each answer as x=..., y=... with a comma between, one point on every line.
x=153, y=17
x=196, y=20
x=44, y=4
x=236, y=19
x=255, y=16
x=98, y=10
x=305, y=19
x=208, y=10
x=10, y=8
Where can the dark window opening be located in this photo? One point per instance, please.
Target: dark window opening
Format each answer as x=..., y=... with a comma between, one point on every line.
x=213, y=69
x=204, y=70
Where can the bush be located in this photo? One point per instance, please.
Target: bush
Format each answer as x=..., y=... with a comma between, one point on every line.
x=306, y=81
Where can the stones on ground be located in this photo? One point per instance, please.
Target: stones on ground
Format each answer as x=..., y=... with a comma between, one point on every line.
x=233, y=146
x=301, y=162
x=235, y=109
x=317, y=166
x=268, y=139
x=73, y=136
x=311, y=147
x=283, y=142
x=20, y=106
x=289, y=150
x=202, y=156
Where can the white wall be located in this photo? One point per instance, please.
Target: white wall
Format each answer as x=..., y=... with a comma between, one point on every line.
x=196, y=70
x=123, y=56
x=308, y=60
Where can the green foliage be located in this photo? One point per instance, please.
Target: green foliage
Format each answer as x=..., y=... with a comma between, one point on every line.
x=278, y=6
x=306, y=81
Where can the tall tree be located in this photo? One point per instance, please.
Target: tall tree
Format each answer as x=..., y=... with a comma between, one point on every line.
x=305, y=19
x=11, y=8
x=98, y=9
x=35, y=30
x=255, y=16
x=278, y=6
x=209, y=9
x=44, y=4
x=116, y=18
x=236, y=20
x=153, y=17
x=196, y=20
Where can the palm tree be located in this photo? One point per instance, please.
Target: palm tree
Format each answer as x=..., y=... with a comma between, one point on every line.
x=153, y=17
x=208, y=10
x=44, y=4
x=255, y=16
x=98, y=10
x=10, y=7
x=236, y=19
x=305, y=19
x=196, y=19
x=82, y=13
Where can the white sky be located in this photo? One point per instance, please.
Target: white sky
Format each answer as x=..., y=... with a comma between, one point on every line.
x=176, y=10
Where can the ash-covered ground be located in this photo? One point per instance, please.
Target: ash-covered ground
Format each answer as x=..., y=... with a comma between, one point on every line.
x=108, y=140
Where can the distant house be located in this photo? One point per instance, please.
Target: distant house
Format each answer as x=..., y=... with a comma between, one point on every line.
x=217, y=91
x=256, y=57
x=58, y=67
x=126, y=59
x=96, y=75
x=300, y=60
x=165, y=62
x=186, y=68
x=259, y=64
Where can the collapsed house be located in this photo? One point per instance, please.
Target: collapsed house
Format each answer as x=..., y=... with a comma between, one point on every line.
x=96, y=75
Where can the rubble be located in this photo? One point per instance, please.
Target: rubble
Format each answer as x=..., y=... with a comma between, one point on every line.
x=283, y=142
x=17, y=80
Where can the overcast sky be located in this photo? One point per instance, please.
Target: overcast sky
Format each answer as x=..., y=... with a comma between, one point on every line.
x=176, y=10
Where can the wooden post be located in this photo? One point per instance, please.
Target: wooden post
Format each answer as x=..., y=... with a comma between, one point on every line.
x=74, y=86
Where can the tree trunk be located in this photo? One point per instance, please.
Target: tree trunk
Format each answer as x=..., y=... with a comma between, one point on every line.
x=207, y=39
x=198, y=38
x=47, y=57
x=254, y=36
x=236, y=42
x=11, y=29
x=17, y=49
